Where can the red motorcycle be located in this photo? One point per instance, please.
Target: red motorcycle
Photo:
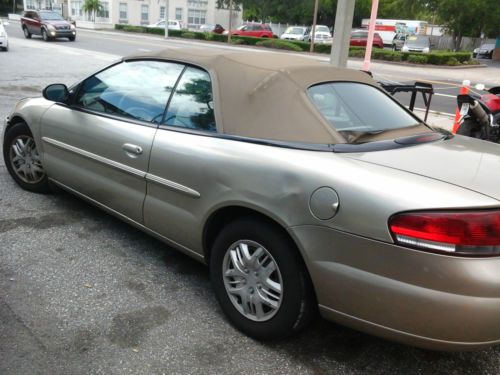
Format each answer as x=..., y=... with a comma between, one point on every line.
x=480, y=115
x=492, y=101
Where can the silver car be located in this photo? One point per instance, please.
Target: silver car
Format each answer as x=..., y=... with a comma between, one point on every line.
x=302, y=186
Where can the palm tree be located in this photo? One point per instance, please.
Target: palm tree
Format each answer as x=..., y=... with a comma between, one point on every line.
x=91, y=7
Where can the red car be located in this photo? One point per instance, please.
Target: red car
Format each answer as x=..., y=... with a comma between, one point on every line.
x=254, y=29
x=48, y=24
x=360, y=38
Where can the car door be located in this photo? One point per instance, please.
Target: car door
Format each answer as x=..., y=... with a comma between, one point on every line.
x=100, y=144
x=180, y=158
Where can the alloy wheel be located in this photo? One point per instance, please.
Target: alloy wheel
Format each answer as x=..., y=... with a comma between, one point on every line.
x=25, y=160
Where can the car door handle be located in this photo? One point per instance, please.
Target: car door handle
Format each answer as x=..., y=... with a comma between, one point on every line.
x=132, y=149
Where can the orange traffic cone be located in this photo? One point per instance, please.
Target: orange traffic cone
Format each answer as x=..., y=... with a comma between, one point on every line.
x=463, y=91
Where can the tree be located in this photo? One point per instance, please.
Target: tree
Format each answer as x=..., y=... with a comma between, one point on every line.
x=91, y=7
x=473, y=18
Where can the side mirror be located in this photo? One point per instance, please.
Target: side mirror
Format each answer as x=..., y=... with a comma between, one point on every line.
x=57, y=92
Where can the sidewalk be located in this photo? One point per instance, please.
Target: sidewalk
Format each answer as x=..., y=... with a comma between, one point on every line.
x=437, y=120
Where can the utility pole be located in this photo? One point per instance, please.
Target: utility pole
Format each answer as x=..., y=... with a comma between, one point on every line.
x=342, y=33
x=230, y=21
x=313, y=31
x=371, y=32
x=166, y=18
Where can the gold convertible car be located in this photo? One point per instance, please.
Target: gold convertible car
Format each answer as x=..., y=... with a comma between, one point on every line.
x=304, y=187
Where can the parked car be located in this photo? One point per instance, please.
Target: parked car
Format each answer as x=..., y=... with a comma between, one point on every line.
x=4, y=38
x=207, y=28
x=172, y=24
x=253, y=29
x=417, y=43
x=484, y=50
x=314, y=202
x=398, y=42
x=360, y=38
x=321, y=36
x=295, y=33
x=48, y=24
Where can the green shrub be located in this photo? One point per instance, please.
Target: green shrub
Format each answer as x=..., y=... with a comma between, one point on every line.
x=219, y=38
x=356, y=52
x=247, y=40
x=418, y=59
x=452, y=61
x=238, y=41
x=279, y=44
x=322, y=48
x=188, y=35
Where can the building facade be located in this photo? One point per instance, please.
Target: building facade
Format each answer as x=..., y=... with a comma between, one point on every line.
x=191, y=13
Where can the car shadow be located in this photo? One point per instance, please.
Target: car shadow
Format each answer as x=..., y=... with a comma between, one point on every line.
x=320, y=347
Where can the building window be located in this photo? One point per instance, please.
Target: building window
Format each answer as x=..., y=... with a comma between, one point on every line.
x=76, y=8
x=196, y=17
x=178, y=14
x=197, y=3
x=162, y=13
x=30, y=4
x=123, y=13
x=104, y=12
x=144, y=14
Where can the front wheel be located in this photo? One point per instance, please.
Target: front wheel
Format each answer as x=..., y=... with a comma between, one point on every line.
x=22, y=159
x=71, y=38
x=260, y=280
x=45, y=36
x=27, y=34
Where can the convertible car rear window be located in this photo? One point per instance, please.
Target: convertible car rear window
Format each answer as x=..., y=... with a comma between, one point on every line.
x=356, y=107
x=191, y=105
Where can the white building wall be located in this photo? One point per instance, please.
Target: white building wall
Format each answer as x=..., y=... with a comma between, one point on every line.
x=191, y=13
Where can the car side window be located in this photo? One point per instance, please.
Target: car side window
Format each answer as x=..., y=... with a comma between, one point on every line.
x=137, y=90
x=191, y=105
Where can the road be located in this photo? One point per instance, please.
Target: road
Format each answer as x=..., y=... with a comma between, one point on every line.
x=122, y=44
x=83, y=293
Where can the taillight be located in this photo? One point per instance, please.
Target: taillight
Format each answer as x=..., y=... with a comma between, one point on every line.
x=467, y=233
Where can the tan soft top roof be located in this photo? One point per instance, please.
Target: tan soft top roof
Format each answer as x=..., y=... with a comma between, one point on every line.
x=263, y=94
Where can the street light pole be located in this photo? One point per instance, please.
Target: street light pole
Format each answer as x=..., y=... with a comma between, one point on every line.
x=230, y=21
x=166, y=18
x=313, y=31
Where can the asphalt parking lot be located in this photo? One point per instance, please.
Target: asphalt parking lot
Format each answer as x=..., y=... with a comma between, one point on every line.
x=83, y=293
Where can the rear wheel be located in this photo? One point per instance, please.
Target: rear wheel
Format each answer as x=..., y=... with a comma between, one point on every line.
x=470, y=128
x=27, y=34
x=260, y=280
x=22, y=159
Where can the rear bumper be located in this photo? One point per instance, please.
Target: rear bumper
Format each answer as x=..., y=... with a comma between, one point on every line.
x=4, y=42
x=420, y=299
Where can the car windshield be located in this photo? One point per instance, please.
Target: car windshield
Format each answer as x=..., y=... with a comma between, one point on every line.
x=295, y=30
x=354, y=108
x=51, y=16
x=417, y=41
x=322, y=29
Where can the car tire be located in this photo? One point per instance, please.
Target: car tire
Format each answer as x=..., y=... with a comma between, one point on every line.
x=256, y=307
x=71, y=38
x=20, y=149
x=45, y=35
x=27, y=34
x=470, y=128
